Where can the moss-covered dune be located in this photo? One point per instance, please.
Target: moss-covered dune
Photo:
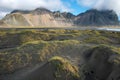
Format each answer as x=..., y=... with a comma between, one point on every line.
x=101, y=63
x=57, y=68
x=34, y=52
x=21, y=49
x=12, y=38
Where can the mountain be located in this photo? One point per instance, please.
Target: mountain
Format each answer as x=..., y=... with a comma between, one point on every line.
x=98, y=18
x=39, y=17
x=42, y=17
x=3, y=23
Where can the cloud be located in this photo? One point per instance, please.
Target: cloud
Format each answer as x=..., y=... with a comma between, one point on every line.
x=3, y=14
x=32, y=4
x=101, y=4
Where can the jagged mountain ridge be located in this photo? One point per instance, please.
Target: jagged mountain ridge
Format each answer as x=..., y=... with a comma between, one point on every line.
x=42, y=17
x=95, y=17
x=38, y=17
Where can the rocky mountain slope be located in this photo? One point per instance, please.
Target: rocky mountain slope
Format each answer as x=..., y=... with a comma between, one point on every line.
x=42, y=17
x=98, y=18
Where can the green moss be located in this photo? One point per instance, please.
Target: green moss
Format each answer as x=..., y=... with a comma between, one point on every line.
x=98, y=40
x=61, y=65
x=20, y=48
x=32, y=53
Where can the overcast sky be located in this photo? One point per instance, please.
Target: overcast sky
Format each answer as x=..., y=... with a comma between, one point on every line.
x=74, y=6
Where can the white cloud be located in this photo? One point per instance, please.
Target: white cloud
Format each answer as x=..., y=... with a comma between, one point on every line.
x=102, y=4
x=3, y=14
x=32, y=4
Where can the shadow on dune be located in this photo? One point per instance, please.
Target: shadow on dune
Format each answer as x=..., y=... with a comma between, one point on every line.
x=101, y=63
x=55, y=69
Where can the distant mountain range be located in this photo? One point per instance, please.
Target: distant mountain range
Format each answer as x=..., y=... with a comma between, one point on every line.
x=42, y=17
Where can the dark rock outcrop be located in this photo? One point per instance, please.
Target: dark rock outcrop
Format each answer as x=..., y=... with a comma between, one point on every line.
x=20, y=11
x=41, y=11
x=68, y=15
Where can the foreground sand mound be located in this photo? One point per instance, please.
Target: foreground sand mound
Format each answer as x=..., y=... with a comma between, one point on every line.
x=56, y=68
x=102, y=63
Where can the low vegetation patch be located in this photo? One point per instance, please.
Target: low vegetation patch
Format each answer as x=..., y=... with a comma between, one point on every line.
x=21, y=48
x=64, y=66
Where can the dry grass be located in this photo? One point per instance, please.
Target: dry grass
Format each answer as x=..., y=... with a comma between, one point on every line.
x=20, y=48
